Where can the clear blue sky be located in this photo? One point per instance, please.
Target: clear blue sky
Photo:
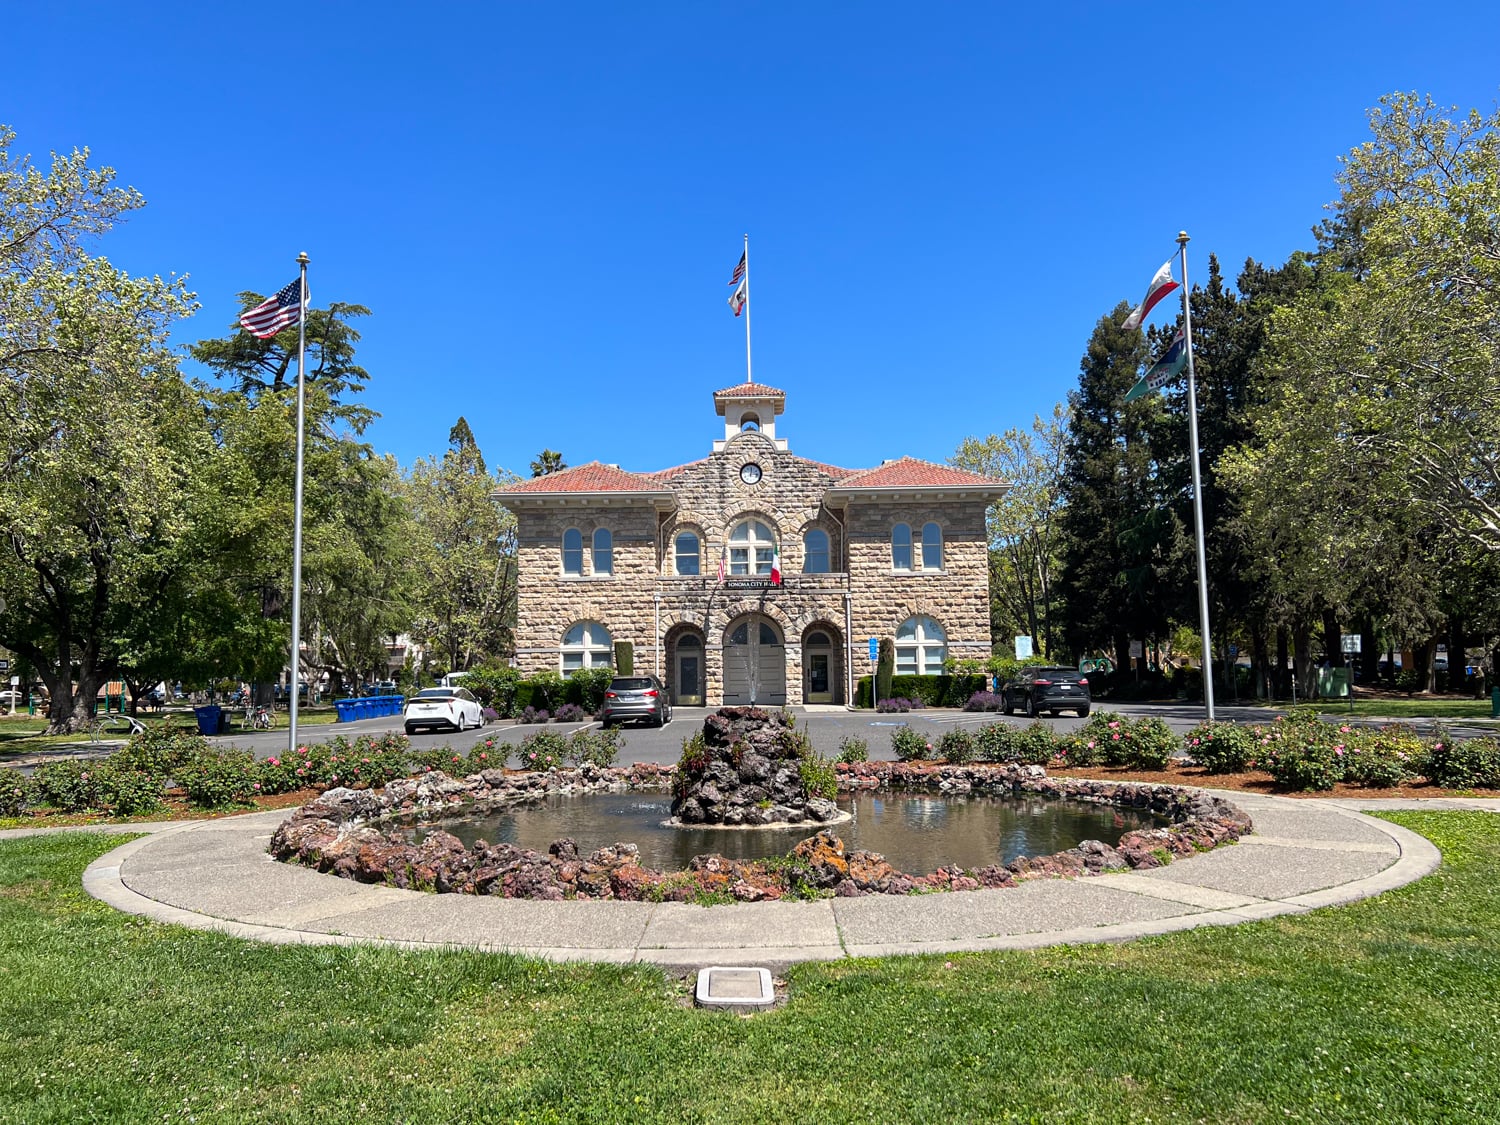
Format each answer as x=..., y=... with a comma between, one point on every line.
x=541, y=203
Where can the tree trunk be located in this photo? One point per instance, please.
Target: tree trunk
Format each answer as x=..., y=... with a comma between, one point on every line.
x=1369, y=655
x=1458, y=659
x=1302, y=659
x=1259, y=673
x=1333, y=639
x=1283, y=653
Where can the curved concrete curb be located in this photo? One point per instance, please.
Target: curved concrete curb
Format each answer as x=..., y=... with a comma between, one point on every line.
x=215, y=875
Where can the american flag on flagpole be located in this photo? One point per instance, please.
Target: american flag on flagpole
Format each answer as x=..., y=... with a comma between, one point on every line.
x=739, y=269
x=275, y=313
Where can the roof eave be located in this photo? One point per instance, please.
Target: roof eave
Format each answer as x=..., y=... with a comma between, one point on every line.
x=928, y=491
x=661, y=498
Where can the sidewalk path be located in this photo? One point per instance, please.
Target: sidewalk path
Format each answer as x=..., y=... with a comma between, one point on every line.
x=1303, y=854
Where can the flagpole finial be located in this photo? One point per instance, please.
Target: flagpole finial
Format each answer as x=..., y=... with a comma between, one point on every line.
x=303, y=259
x=1182, y=238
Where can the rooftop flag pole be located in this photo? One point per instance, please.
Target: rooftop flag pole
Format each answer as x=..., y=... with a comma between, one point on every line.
x=302, y=260
x=747, y=309
x=1187, y=330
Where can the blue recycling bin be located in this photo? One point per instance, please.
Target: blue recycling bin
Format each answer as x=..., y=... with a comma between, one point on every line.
x=210, y=718
x=345, y=709
x=365, y=709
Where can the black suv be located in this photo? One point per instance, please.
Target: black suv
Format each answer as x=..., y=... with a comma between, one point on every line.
x=636, y=697
x=1037, y=689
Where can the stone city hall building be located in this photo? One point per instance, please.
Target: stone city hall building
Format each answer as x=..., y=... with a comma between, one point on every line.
x=896, y=551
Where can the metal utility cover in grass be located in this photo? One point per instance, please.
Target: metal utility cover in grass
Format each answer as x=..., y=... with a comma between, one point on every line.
x=721, y=986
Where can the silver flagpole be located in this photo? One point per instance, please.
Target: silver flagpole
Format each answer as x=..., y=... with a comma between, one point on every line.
x=747, y=310
x=1187, y=334
x=297, y=515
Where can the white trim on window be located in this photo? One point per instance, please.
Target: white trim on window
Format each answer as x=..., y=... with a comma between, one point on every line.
x=572, y=552
x=815, y=555
x=586, y=645
x=901, y=547
x=752, y=546
x=921, y=647
x=932, y=547
x=687, y=562
x=604, y=551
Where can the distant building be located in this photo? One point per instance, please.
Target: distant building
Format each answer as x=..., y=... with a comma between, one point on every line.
x=896, y=551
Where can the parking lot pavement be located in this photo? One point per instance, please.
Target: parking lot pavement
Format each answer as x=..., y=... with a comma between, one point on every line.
x=826, y=726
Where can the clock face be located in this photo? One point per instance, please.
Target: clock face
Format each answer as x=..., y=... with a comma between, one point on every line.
x=750, y=473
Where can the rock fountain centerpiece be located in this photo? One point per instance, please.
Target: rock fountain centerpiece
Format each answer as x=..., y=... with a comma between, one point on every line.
x=749, y=768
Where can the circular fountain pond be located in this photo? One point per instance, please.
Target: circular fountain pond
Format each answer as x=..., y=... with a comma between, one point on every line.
x=915, y=832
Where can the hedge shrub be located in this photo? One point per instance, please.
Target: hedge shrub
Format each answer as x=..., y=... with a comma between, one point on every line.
x=934, y=691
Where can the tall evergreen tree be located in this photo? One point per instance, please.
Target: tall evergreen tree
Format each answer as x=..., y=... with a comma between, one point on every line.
x=1119, y=539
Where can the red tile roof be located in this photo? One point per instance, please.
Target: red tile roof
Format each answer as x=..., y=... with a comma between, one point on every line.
x=593, y=477
x=832, y=470
x=675, y=470
x=750, y=390
x=908, y=472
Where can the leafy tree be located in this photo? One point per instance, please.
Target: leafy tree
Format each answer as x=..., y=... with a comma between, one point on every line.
x=547, y=461
x=1023, y=525
x=100, y=435
x=466, y=550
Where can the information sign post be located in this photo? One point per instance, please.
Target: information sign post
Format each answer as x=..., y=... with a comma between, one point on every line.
x=874, y=670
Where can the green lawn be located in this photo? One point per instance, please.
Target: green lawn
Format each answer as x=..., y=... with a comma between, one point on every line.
x=1386, y=1010
x=1415, y=708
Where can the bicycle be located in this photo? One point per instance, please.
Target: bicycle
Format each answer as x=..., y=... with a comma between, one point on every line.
x=257, y=717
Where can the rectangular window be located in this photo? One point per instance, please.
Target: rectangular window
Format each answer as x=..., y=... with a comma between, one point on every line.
x=932, y=661
x=571, y=662
x=901, y=556
x=906, y=662
x=739, y=560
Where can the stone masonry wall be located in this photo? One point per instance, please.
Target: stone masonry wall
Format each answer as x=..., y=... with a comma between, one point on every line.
x=645, y=594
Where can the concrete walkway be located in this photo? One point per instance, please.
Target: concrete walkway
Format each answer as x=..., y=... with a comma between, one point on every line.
x=1304, y=854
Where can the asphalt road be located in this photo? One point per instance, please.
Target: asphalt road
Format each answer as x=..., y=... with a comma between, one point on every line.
x=826, y=727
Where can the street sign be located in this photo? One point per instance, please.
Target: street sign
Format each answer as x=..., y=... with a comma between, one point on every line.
x=1137, y=649
x=1234, y=650
x=874, y=649
x=4, y=665
x=1351, y=643
x=1023, y=648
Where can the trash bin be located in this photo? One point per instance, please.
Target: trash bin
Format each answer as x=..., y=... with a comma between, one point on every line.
x=210, y=719
x=345, y=709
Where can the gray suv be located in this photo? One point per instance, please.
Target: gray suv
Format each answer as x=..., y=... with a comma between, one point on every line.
x=1035, y=690
x=636, y=697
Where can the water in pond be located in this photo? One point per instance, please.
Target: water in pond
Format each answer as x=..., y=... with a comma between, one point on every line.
x=915, y=832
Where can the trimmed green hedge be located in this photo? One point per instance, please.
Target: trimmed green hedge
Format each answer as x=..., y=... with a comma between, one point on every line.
x=934, y=691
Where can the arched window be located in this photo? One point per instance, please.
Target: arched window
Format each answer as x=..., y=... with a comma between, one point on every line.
x=751, y=548
x=921, y=646
x=586, y=645
x=604, y=551
x=572, y=551
x=765, y=635
x=685, y=550
x=815, y=552
x=901, y=547
x=932, y=547
x=816, y=640
x=749, y=422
